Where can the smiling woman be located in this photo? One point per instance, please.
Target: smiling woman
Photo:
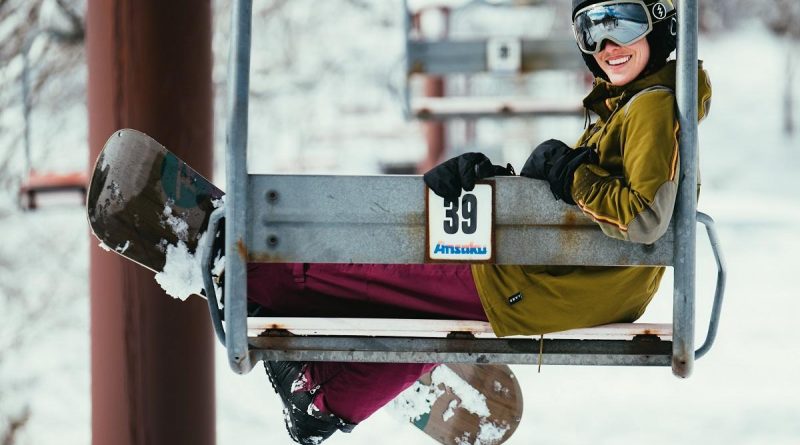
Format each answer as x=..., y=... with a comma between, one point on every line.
x=599, y=25
x=622, y=64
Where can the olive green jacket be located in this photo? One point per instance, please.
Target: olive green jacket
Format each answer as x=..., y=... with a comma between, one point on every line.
x=630, y=194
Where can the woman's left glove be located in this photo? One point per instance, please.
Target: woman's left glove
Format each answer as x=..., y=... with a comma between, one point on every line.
x=448, y=178
x=555, y=162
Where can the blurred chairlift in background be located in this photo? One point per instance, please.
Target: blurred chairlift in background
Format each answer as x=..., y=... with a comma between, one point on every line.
x=35, y=182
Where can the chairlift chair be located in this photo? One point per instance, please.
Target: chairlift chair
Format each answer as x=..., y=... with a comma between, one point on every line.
x=503, y=56
x=36, y=182
x=276, y=218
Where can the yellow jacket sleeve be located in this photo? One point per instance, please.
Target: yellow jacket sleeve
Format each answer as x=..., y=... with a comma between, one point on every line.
x=633, y=199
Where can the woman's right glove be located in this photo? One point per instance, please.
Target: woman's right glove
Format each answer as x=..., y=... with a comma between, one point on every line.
x=555, y=162
x=448, y=178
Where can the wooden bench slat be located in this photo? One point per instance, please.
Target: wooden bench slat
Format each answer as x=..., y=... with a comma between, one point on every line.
x=383, y=327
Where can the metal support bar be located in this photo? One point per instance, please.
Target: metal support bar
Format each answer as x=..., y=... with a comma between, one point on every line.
x=719, y=293
x=648, y=351
x=207, y=264
x=491, y=108
x=685, y=219
x=381, y=219
x=470, y=56
x=406, y=86
x=236, y=213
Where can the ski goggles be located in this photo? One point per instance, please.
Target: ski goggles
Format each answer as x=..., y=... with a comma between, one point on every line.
x=622, y=22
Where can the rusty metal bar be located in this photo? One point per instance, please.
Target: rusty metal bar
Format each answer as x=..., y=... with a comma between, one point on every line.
x=236, y=208
x=645, y=351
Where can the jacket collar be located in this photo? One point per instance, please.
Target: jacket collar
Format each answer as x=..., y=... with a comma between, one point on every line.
x=605, y=98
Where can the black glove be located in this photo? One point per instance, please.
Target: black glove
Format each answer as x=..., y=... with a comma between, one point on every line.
x=448, y=178
x=555, y=162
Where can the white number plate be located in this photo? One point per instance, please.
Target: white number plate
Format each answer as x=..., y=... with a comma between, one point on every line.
x=461, y=230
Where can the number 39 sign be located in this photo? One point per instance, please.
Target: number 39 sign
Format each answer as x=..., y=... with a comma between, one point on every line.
x=461, y=229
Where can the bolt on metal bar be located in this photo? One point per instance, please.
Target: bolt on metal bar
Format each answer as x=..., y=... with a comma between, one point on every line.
x=683, y=305
x=236, y=211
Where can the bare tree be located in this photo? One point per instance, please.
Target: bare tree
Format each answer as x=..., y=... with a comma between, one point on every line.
x=43, y=39
x=47, y=36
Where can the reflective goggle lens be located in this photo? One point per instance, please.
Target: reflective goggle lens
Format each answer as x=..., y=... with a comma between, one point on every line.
x=622, y=23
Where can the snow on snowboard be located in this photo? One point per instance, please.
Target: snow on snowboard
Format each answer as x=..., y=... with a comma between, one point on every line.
x=147, y=205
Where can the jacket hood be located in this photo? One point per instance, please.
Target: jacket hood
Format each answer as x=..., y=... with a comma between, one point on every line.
x=605, y=97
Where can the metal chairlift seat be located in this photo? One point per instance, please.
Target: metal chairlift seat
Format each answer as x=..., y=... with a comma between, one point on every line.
x=283, y=218
x=37, y=183
x=471, y=56
x=443, y=108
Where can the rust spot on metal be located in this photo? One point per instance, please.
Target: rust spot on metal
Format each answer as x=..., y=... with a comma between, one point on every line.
x=267, y=258
x=568, y=237
x=241, y=249
x=647, y=336
x=417, y=67
x=461, y=334
x=570, y=219
x=275, y=331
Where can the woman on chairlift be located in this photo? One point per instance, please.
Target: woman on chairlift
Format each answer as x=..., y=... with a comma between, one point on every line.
x=622, y=172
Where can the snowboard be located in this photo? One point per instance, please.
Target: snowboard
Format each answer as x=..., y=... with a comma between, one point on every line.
x=149, y=206
x=459, y=404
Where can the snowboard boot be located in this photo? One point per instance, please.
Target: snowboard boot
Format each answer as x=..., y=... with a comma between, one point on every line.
x=306, y=424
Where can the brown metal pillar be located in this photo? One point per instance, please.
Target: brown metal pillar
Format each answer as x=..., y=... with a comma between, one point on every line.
x=435, y=131
x=152, y=356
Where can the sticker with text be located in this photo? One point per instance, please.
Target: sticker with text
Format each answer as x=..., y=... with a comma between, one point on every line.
x=461, y=229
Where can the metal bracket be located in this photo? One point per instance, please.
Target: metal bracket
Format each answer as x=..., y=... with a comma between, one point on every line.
x=207, y=263
x=719, y=293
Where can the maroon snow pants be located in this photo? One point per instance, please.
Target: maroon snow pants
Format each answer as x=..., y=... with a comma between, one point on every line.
x=353, y=391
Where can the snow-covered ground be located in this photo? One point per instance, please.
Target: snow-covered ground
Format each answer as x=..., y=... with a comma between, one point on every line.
x=743, y=392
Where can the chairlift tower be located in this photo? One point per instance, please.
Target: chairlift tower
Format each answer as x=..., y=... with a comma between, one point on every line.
x=149, y=67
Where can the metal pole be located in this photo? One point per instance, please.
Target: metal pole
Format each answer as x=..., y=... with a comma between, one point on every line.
x=686, y=206
x=435, y=131
x=149, y=67
x=236, y=211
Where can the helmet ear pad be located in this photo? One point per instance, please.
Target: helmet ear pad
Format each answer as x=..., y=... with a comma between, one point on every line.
x=662, y=41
